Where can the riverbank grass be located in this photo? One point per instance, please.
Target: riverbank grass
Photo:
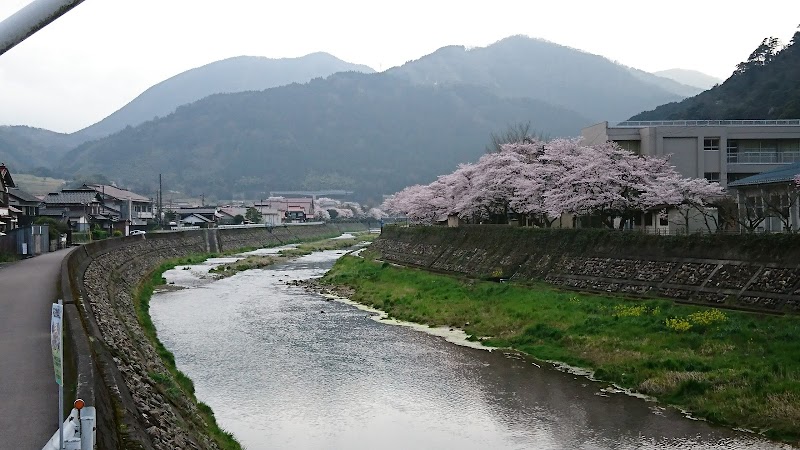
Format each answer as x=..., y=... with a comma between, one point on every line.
x=733, y=368
x=302, y=249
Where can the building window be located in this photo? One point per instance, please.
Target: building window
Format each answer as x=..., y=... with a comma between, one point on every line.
x=754, y=206
x=733, y=151
x=712, y=176
x=631, y=146
x=763, y=151
x=711, y=144
x=738, y=176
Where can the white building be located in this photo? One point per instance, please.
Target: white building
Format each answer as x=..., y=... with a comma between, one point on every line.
x=718, y=150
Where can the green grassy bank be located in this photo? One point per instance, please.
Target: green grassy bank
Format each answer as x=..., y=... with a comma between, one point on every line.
x=306, y=248
x=730, y=367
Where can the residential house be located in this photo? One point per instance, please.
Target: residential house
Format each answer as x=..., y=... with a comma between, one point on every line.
x=232, y=211
x=227, y=216
x=127, y=207
x=7, y=220
x=21, y=240
x=718, y=150
x=80, y=208
x=24, y=205
x=196, y=220
x=769, y=201
x=210, y=216
x=288, y=209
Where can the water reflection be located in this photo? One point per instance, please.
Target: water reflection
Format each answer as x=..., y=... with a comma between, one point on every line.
x=283, y=368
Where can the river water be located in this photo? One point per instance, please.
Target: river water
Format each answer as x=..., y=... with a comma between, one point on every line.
x=283, y=368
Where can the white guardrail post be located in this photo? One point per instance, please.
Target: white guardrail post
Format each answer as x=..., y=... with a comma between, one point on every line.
x=79, y=430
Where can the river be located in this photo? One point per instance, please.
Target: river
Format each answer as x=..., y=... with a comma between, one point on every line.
x=283, y=368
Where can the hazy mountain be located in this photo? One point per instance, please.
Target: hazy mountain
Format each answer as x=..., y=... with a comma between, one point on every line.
x=763, y=87
x=666, y=83
x=26, y=148
x=242, y=73
x=373, y=134
x=520, y=66
x=690, y=78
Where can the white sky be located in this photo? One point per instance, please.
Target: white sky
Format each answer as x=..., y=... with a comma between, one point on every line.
x=102, y=54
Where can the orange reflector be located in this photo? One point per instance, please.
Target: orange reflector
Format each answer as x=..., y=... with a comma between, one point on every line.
x=79, y=404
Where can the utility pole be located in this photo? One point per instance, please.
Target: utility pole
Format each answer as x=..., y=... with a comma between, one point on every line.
x=160, y=200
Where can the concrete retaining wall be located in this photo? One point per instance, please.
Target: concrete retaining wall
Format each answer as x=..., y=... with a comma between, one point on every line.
x=744, y=272
x=116, y=363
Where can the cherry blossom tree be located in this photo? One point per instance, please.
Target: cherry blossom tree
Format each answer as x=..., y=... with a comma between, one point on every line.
x=691, y=197
x=415, y=202
x=322, y=214
x=540, y=181
x=377, y=213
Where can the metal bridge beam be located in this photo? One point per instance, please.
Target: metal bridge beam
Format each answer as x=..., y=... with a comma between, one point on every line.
x=31, y=19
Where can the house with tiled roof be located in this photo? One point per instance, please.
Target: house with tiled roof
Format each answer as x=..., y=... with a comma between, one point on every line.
x=80, y=207
x=18, y=239
x=24, y=205
x=210, y=216
x=288, y=209
x=7, y=220
x=134, y=209
x=769, y=201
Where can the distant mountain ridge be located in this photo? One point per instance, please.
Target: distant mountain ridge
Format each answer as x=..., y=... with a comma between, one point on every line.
x=763, y=87
x=26, y=148
x=237, y=74
x=520, y=66
x=690, y=78
x=369, y=133
x=666, y=83
x=372, y=133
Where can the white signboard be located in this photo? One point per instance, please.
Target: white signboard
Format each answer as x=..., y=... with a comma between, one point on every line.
x=56, y=341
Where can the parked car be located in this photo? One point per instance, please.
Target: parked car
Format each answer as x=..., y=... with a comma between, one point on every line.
x=135, y=232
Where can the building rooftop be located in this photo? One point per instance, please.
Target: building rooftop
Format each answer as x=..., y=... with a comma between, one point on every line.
x=197, y=210
x=707, y=123
x=72, y=197
x=327, y=193
x=117, y=193
x=23, y=196
x=779, y=175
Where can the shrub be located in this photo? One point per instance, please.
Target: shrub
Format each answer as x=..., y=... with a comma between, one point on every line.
x=99, y=234
x=678, y=324
x=629, y=311
x=707, y=317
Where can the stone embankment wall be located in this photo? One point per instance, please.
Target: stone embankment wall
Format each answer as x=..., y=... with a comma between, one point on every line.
x=752, y=272
x=117, y=365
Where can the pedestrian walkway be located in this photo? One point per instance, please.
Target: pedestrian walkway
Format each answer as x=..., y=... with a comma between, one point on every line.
x=28, y=391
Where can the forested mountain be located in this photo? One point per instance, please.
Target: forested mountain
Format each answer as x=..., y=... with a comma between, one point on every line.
x=689, y=78
x=242, y=73
x=520, y=66
x=373, y=134
x=763, y=87
x=28, y=148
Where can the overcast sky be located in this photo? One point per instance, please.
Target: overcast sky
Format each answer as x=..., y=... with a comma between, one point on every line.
x=104, y=53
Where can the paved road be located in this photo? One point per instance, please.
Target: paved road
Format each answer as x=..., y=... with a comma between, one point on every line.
x=28, y=391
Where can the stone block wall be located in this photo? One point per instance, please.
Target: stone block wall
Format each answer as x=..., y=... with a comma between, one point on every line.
x=754, y=273
x=102, y=279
